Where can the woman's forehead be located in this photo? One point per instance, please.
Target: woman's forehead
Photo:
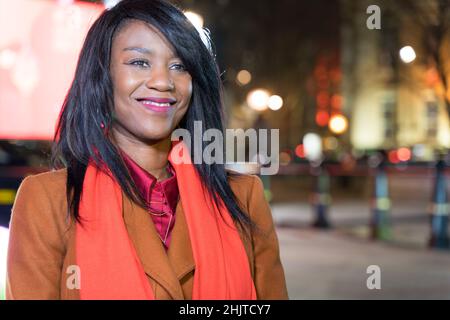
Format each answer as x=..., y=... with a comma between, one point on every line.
x=140, y=36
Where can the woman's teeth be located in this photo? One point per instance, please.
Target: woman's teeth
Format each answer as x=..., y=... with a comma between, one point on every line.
x=156, y=103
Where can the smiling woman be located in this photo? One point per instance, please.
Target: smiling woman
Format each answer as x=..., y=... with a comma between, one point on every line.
x=118, y=218
x=147, y=74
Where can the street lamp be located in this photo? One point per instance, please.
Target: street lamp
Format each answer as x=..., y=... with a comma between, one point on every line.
x=275, y=102
x=312, y=146
x=243, y=77
x=338, y=124
x=407, y=54
x=258, y=99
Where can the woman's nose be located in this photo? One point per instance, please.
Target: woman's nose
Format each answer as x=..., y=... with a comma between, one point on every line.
x=160, y=79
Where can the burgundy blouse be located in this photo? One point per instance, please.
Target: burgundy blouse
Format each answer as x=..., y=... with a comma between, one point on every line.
x=161, y=197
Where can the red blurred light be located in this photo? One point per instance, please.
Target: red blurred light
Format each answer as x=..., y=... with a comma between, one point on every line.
x=336, y=101
x=432, y=77
x=322, y=118
x=285, y=157
x=322, y=99
x=404, y=154
x=300, y=151
x=393, y=156
x=323, y=84
x=336, y=75
x=320, y=72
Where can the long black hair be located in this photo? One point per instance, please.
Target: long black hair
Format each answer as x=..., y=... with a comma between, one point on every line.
x=89, y=105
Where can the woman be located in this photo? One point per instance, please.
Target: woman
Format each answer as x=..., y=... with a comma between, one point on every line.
x=121, y=218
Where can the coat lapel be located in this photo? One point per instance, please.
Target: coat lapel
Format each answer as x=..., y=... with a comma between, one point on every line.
x=166, y=268
x=180, y=250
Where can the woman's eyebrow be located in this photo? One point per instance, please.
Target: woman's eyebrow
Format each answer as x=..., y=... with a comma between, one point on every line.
x=138, y=49
x=145, y=51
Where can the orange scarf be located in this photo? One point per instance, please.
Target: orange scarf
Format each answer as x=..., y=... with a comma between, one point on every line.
x=109, y=265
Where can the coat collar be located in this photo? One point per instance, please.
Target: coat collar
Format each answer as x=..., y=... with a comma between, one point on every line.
x=166, y=268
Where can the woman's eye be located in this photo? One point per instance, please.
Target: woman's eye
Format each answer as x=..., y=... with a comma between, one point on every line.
x=178, y=66
x=139, y=63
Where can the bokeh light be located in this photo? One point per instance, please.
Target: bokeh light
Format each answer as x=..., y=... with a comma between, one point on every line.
x=275, y=102
x=322, y=99
x=285, y=158
x=195, y=19
x=407, y=54
x=338, y=124
x=336, y=101
x=313, y=146
x=300, y=151
x=322, y=118
x=404, y=154
x=257, y=99
x=243, y=77
x=330, y=143
x=393, y=156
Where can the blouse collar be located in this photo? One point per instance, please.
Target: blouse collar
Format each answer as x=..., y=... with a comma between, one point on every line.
x=159, y=195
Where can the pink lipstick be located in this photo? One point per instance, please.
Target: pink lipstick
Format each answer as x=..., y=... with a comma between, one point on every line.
x=157, y=104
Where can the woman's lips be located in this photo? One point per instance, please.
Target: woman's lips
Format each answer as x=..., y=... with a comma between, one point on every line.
x=158, y=105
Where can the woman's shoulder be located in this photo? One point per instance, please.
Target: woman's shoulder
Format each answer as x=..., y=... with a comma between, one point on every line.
x=248, y=188
x=44, y=188
x=241, y=182
x=40, y=205
x=53, y=181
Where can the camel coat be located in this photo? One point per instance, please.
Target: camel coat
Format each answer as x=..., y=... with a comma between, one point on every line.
x=42, y=243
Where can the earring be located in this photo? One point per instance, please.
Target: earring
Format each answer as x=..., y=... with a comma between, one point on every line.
x=104, y=128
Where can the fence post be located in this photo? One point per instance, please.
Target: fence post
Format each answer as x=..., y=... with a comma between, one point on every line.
x=439, y=209
x=322, y=199
x=381, y=205
x=267, y=188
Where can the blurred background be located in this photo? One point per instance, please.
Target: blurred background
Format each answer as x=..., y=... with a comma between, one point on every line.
x=360, y=93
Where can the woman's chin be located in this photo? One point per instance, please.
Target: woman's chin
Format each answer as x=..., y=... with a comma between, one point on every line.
x=156, y=136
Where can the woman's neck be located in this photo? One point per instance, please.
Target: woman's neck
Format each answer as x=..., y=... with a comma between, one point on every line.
x=152, y=157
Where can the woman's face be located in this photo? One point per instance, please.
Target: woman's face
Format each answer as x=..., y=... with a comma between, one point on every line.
x=152, y=89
